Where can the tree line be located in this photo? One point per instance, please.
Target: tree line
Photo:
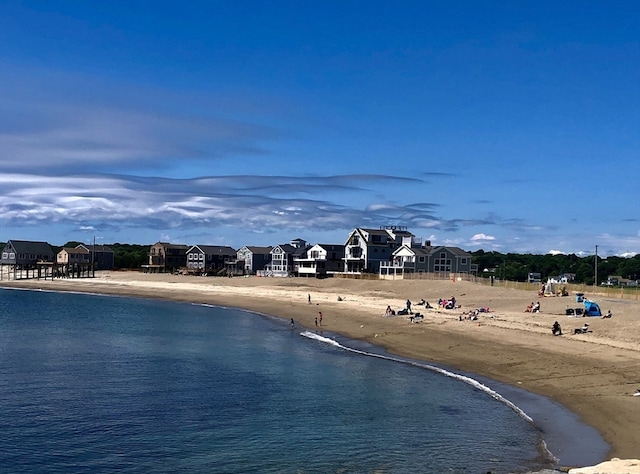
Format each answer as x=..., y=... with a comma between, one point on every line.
x=516, y=267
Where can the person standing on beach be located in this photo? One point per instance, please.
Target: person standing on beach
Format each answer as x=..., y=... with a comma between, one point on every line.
x=316, y=322
x=320, y=317
x=309, y=298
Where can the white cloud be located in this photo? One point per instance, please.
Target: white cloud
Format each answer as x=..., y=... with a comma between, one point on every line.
x=482, y=238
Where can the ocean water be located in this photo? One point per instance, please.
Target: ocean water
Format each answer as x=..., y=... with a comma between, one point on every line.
x=93, y=383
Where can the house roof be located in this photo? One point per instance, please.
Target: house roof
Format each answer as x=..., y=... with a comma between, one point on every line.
x=331, y=246
x=457, y=251
x=428, y=251
x=31, y=247
x=257, y=249
x=96, y=248
x=75, y=250
x=167, y=245
x=215, y=250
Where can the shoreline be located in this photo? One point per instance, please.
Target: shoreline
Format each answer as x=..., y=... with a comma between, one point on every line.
x=592, y=375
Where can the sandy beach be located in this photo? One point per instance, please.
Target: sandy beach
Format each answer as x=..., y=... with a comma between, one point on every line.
x=594, y=375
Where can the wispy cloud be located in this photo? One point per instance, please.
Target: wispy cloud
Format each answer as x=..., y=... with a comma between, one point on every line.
x=253, y=203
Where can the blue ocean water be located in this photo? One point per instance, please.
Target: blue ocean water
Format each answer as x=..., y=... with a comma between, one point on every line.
x=102, y=384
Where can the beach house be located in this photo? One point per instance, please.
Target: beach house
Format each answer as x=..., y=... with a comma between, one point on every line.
x=210, y=259
x=249, y=260
x=283, y=258
x=413, y=257
x=24, y=259
x=320, y=260
x=102, y=256
x=365, y=248
x=26, y=254
x=165, y=257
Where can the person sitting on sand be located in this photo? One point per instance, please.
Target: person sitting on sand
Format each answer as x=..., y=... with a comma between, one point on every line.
x=388, y=312
x=556, y=329
x=608, y=315
x=451, y=304
x=582, y=330
x=536, y=307
x=529, y=308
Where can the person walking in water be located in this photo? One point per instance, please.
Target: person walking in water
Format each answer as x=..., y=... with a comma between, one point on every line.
x=320, y=317
x=292, y=323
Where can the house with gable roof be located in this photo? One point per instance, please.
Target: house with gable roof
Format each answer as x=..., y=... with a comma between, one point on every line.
x=320, y=260
x=166, y=257
x=26, y=259
x=413, y=257
x=250, y=259
x=365, y=249
x=283, y=259
x=102, y=256
x=73, y=256
x=26, y=254
x=209, y=258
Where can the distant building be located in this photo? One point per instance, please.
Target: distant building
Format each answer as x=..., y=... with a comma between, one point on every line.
x=166, y=258
x=413, y=257
x=72, y=256
x=26, y=254
x=534, y=277
x=365, y=249
x=101, y=256
x=283, y=258
x=209, y=258
x=320, y=260
x=250, y=260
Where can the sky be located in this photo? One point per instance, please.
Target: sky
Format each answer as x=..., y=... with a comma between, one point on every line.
x=494, y=125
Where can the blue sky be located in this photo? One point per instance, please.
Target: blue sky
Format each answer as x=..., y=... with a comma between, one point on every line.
x=507, y=126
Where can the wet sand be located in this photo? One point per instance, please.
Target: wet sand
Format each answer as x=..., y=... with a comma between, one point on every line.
x=594, y=375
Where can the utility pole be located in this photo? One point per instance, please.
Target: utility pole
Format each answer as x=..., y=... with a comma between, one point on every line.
x=595, y=283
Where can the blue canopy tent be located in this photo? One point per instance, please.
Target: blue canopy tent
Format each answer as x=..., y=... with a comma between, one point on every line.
x=591, y=308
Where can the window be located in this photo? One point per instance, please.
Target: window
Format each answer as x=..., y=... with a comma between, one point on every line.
x=421, y=259
x=442, y=265
x=463, y=261
x=5, y=255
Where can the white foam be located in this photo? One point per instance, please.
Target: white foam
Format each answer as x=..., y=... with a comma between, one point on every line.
x=447, y=373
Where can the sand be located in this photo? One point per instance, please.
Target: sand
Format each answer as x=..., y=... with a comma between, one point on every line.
x=594, y=375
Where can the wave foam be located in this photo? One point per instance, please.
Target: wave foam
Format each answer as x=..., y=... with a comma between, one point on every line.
x=447, y=373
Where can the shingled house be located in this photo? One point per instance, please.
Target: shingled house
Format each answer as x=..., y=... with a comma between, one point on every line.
x=26, y=254
x=165, y=257
x=102, y=256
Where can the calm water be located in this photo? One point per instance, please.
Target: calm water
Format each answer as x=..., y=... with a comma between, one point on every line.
x=101, y=384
